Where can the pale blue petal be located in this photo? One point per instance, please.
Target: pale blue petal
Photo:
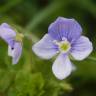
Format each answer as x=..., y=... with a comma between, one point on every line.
x=7, y=33
x=5, y=25
x=63, y=27
x=45, y=48
x=81, y=48
x=62, y=67
x=15, y=52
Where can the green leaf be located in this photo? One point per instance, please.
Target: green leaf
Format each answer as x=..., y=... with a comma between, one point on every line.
x=27, y=84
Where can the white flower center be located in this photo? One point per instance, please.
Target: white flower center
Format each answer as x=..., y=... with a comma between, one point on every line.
x=64, y=46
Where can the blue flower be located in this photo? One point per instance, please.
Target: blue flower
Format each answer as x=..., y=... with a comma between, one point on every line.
x=63, y=38
x=14, y=44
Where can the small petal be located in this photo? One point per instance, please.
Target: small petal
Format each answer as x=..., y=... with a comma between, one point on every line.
x=62, y=67
x=5, y=25
x=63, y=27
x=15, y=52
x=45, y=48
x=81, y=48
x=7, y=33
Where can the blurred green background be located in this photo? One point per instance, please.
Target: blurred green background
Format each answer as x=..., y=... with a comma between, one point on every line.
x=33, y=76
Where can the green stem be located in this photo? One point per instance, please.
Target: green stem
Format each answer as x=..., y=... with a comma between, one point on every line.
x=87, y=5
x=9, y=5
x=29, y=35
x=92, y=58
x=42, y=15
x=32, y=37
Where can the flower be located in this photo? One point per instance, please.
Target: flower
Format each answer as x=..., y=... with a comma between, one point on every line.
x=63, y=37
x=14, y=41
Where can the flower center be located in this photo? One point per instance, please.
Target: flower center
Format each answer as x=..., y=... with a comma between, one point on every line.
x=64, y=46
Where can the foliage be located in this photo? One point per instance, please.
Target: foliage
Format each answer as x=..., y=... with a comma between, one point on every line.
x=33, y=76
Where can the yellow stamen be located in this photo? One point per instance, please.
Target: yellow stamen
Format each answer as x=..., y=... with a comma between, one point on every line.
x=19, y=37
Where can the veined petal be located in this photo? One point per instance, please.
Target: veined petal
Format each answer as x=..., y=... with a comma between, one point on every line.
x=7, y=33
x=63, y=27
x=15, y=52
x=81, y=48
x=45, y=48
x=62, y=67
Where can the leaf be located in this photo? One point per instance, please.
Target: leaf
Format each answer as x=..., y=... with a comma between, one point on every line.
x=27, y=84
